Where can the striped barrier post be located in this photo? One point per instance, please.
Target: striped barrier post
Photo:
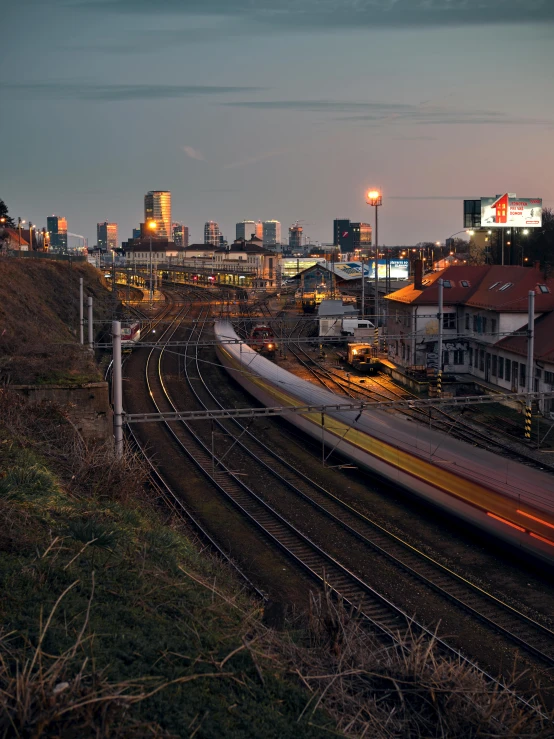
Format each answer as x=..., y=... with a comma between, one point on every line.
x=439, y=382
x=376, y=337
x=528, y=420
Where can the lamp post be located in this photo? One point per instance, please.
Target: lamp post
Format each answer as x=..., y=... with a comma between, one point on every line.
x=152, y=225
x=19, y=222
x=375, y=198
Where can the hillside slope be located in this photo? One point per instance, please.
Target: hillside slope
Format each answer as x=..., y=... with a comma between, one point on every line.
x=39, y=315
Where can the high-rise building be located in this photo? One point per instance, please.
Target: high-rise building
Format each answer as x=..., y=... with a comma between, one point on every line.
x=180, y=234
x=295, y=236
x=157, y=207
x=137, y=232
x=106, y=236
x=57, y=228
x=212, y=234
x=259, y=230
x=351, y=236
x=271, y=233
x=246, y=229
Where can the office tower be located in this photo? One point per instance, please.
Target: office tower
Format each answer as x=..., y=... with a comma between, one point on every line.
x=137, y=233
x=259, y=230
x=246, y=229
x=157, y=207
x=361, y=235
x=351, y=236
x=212, y=234
x=180, y=234
x=57, y=227
x=106, y=236
x=271, y=233
x=295, y=236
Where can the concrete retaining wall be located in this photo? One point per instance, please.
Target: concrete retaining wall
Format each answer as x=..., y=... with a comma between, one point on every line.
x=88, y=406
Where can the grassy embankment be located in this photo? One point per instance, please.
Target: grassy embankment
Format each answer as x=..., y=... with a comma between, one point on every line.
x=114, y=622
x=39, y=317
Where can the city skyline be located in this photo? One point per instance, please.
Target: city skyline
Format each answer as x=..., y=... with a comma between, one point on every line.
x=343, y=96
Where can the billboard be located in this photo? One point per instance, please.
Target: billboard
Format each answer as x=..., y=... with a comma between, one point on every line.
x=507, y=211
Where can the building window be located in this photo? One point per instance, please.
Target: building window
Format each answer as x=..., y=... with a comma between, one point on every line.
x=494, y=365
x=458, y=357
x=549, y=377
x=505, y=287
x=500, y=368
x=507, y=366
x=522, y=378
x=493, y=325
x=483, y=325
x=464, y=283
x=482, y=360
x=544, y=289
x=449, y=320
x=470, y=350
x=476, y=359
x=494, y=284
x=467, y=321
x=475, y=323
x=445, y=358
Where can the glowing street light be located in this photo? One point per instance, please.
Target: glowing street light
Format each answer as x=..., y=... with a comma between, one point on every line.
x=152, y=226
x=374, y=198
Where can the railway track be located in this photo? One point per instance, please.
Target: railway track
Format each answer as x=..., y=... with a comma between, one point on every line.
x=528, y=634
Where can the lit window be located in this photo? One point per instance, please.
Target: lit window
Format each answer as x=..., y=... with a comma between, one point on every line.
x=505, y=287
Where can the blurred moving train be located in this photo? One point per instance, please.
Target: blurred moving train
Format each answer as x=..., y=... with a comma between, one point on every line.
x=262, y=340
x=505, y=499
x=130, y=334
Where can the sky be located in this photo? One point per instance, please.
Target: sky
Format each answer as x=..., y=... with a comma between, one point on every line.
x=275, y=109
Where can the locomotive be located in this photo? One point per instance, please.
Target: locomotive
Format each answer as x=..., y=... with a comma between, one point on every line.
x=262, y=340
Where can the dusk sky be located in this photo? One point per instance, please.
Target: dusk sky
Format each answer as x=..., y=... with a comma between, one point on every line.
x=285, y=109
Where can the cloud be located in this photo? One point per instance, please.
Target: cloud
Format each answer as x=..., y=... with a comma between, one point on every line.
x=193, y=153
x=116, y=92
x=377, y=113
x=330, y=15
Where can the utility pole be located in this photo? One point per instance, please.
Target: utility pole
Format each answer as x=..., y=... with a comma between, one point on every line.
x=530, y=361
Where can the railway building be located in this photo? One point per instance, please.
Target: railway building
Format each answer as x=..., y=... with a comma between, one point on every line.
x=485, y=311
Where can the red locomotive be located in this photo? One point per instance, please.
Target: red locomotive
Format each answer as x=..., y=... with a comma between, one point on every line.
x=262, y=339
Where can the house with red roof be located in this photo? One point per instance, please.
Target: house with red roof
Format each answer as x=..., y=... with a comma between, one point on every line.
x=485, y=312
x=12, y=239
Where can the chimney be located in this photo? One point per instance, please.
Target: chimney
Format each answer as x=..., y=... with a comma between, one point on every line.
x=418, y=275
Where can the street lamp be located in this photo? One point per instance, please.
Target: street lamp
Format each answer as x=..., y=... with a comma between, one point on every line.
x=375, y=198
x=19, y=222
x=152, y=226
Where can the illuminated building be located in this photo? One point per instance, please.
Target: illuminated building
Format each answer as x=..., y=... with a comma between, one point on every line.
x=271, y=234
x=57, y=227
x=351, y=236
x=212, y=234
x=106, y=236
x=180, y=234
x=295, y=236
x=157, y=207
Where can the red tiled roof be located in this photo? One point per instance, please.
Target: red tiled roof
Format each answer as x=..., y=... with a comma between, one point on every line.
x=506, y=289
x=544, y=339
x=457, y=293
x=12, y=234
x=490, y=287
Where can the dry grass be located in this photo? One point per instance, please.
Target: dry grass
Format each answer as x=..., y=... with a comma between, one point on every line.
x=408, y=690
x=39, y=318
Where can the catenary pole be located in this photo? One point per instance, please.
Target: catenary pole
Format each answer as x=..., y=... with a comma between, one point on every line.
x=81, y=318
x=530, y=362
x=90, y=325
x=117, y=389
x=440, y=319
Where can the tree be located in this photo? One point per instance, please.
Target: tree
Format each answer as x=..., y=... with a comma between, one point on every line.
x=539, y=244
x=8, y=220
